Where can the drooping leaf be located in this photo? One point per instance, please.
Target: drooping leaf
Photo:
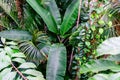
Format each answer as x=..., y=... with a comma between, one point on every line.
x=46, y=16
x=52, y=6
x=10, y=43
x=56, y=65
x=19, y=60
x=7, y=65
x=115, y=76
x=9, y=76
x=8, y=50
x=32, y=72
x=27, y=65
x=99, y=65
x=3, y=65
x=16, y=35
x=109, y=46
x=18, y=55
x=69, y=17
x=4, y=72
x=99, y=77
x=35, y=78
x=4, y=60
x=37, y=75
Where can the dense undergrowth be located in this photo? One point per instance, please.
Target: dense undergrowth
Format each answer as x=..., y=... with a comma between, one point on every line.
x=59, y=40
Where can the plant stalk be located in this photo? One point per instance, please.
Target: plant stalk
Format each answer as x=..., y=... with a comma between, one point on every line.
x=19, y=72
x=79, y=10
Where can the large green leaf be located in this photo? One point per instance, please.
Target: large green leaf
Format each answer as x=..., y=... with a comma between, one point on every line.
x=99, y=65
x=52, y=6
x=16, y=35
x=109, y=46
x=99, y=77
x=9, y=76
x=115, y=76
x=4, y=72
x=69, y=17
x=56, y=65
x=46, y=16
x=4, y=60
x=27, y=65
x=38, y=75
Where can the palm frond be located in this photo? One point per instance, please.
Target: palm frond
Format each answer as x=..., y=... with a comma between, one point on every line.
x=36, y=50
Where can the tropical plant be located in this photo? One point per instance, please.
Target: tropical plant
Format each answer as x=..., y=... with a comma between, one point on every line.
x=32, y=42
x=13, y=64
x=110, y=48
x=60, y=32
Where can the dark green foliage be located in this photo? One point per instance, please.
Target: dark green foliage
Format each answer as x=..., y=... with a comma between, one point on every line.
x=47, y=33
x=13, y=64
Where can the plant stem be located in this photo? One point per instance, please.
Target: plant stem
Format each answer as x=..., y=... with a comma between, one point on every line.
x=59, y=38
x=19, y=72
x=71, y=58
x=79, y=9
x=45, y=29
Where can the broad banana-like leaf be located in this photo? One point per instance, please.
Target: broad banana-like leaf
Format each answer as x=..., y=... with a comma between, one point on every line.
x=56, y=65
x=115, y=76
x=69, y=17
x=52, y=6
x=16, y=35
x=109, y=46
x=99, y=65
x=111, y=76
x=99, y=77
x=46, y=16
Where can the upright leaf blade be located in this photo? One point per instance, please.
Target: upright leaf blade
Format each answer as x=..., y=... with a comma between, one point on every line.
x=16, y=35
x=70, y=17
x=52, y=6
x=56, y=65
x=46, y=16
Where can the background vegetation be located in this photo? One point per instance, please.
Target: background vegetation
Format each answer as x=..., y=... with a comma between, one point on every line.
x=59, y=40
